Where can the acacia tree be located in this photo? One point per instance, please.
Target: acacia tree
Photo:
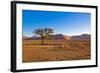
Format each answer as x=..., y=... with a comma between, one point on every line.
x=43, y=33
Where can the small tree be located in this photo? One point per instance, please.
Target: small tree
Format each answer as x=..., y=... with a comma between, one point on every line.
x=43, y=33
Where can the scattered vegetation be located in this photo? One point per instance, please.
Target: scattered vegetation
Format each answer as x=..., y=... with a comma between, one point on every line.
x=47, y=49
x=55, y=50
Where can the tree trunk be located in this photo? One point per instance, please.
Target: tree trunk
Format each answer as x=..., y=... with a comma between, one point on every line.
x=42, y=40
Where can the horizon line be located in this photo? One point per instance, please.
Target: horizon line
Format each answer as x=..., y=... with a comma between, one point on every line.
x=60, y=33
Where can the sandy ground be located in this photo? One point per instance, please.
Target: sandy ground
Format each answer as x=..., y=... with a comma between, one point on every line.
x=67, y=50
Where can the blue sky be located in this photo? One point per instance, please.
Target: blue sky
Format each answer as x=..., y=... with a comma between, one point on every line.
x=68, y=23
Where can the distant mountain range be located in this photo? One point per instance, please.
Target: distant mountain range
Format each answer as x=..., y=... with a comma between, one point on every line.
x=62, y=37
x=25, y=37
x=81, y=37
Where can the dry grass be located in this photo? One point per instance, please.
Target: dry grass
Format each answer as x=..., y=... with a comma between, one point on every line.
x=58, y=50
